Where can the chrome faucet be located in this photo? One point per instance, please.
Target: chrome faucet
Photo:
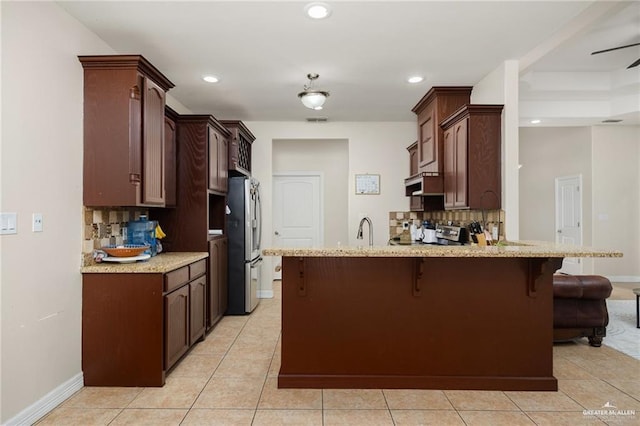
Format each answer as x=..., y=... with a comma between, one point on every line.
x=359, y=236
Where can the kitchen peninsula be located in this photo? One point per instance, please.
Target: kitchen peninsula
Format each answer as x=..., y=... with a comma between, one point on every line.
x=422, y=317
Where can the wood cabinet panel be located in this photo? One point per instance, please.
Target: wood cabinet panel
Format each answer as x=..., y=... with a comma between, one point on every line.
x=176, y=322
x=198, y=306
x=413, y=159
x=472, y=176
x=218, y=161
x=124, y=98
x=427, y=146
x=170, y=152
x=122, y=330
x=218, y=285
x=153, y=145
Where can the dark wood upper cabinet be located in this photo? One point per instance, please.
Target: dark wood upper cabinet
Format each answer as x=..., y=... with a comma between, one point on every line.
x=413, y=158
x=218, y=143
x=239, y=147
x=435, y=106
x=124, y=151
x=170, y=153
x=472, y=153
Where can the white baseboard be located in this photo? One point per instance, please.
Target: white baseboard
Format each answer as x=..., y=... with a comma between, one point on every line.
x=624, y=279
x=44, y=405
x=265, y=294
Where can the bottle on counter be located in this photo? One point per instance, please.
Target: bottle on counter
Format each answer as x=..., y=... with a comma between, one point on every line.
x=143, y=231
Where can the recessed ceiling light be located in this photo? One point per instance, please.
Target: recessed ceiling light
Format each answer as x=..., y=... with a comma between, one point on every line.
x=415, y=79
x=317, y=10
x=536, y=121
x=210, y=78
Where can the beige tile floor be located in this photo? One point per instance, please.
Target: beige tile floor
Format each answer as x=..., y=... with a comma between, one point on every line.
x=231, y=379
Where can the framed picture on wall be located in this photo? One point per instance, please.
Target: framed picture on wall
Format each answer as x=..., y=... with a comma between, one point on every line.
x=367, y=184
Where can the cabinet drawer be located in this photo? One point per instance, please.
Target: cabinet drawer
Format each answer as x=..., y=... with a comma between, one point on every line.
x=198, y=268
x=175, y=279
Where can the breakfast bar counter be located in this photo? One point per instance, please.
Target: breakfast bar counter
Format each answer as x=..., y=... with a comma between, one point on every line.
x=422, y=317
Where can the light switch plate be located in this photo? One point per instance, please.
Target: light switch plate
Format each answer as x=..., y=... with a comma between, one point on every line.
x=8, y=223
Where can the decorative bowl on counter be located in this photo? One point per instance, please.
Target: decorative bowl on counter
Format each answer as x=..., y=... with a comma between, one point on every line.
x=127, y=250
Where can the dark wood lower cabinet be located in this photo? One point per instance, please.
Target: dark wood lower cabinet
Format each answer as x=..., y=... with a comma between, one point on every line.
x=137, y=326
x=218, y=287
x=198, y=295
x=176, y=323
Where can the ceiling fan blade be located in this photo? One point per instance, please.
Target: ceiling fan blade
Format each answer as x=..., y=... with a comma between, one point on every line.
x=635, y=64
x=615, y=48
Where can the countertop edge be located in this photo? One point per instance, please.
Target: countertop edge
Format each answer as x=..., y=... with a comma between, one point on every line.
x=528, y=249
x=160, y=264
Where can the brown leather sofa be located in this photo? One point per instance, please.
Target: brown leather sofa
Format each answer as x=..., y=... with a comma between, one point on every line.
x=580, y=308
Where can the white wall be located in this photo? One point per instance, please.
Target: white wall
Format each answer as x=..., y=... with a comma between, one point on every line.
x=42, y=97
x=331, y=158
x=608, y=157
x=547, y=153
x=374, y=147
x=616, y=199
x=501, y=87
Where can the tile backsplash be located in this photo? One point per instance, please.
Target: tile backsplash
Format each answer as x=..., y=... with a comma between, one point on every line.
x=457, y=217
x=105, y=226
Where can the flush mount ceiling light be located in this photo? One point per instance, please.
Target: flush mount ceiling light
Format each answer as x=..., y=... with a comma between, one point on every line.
x=313, y=98
x=415, y=79
x=317, y=10
x=535, y=121
x=210, y=78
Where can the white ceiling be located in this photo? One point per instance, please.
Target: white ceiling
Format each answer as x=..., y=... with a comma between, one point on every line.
x=365, y=50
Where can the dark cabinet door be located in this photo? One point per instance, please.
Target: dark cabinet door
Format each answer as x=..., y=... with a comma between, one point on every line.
x=170, y=159
x=177, y=341
x=427, y=140
x=449, y=168
x=223, y=164
x=218, y=161
x=224, y=283
x=413, y=159
x=218, y=287
x=461, y=169
x=153, y=144
x=198, y=304
x=215, y=269
x=213, y=145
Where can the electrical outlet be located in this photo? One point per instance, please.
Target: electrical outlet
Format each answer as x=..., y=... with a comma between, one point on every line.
x=36, y=225
x=405, y=225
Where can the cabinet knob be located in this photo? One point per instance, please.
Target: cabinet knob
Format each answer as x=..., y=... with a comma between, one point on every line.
x=277, y=233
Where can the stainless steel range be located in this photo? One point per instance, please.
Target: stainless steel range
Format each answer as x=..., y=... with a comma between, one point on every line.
x=451, y=235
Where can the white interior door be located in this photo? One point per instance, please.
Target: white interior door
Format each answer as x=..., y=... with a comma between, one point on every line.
x=569, y=218
x=297, y=212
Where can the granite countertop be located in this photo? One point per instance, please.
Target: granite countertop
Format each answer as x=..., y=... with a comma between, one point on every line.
x=161, y=264
x=507, y=249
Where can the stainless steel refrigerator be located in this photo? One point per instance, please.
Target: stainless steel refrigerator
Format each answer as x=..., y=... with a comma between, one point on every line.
x=244, y=226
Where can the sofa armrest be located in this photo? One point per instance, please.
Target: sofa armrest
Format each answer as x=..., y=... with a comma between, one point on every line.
x=581, y=287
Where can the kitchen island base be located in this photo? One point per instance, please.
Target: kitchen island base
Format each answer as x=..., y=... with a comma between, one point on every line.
x=418, y=323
